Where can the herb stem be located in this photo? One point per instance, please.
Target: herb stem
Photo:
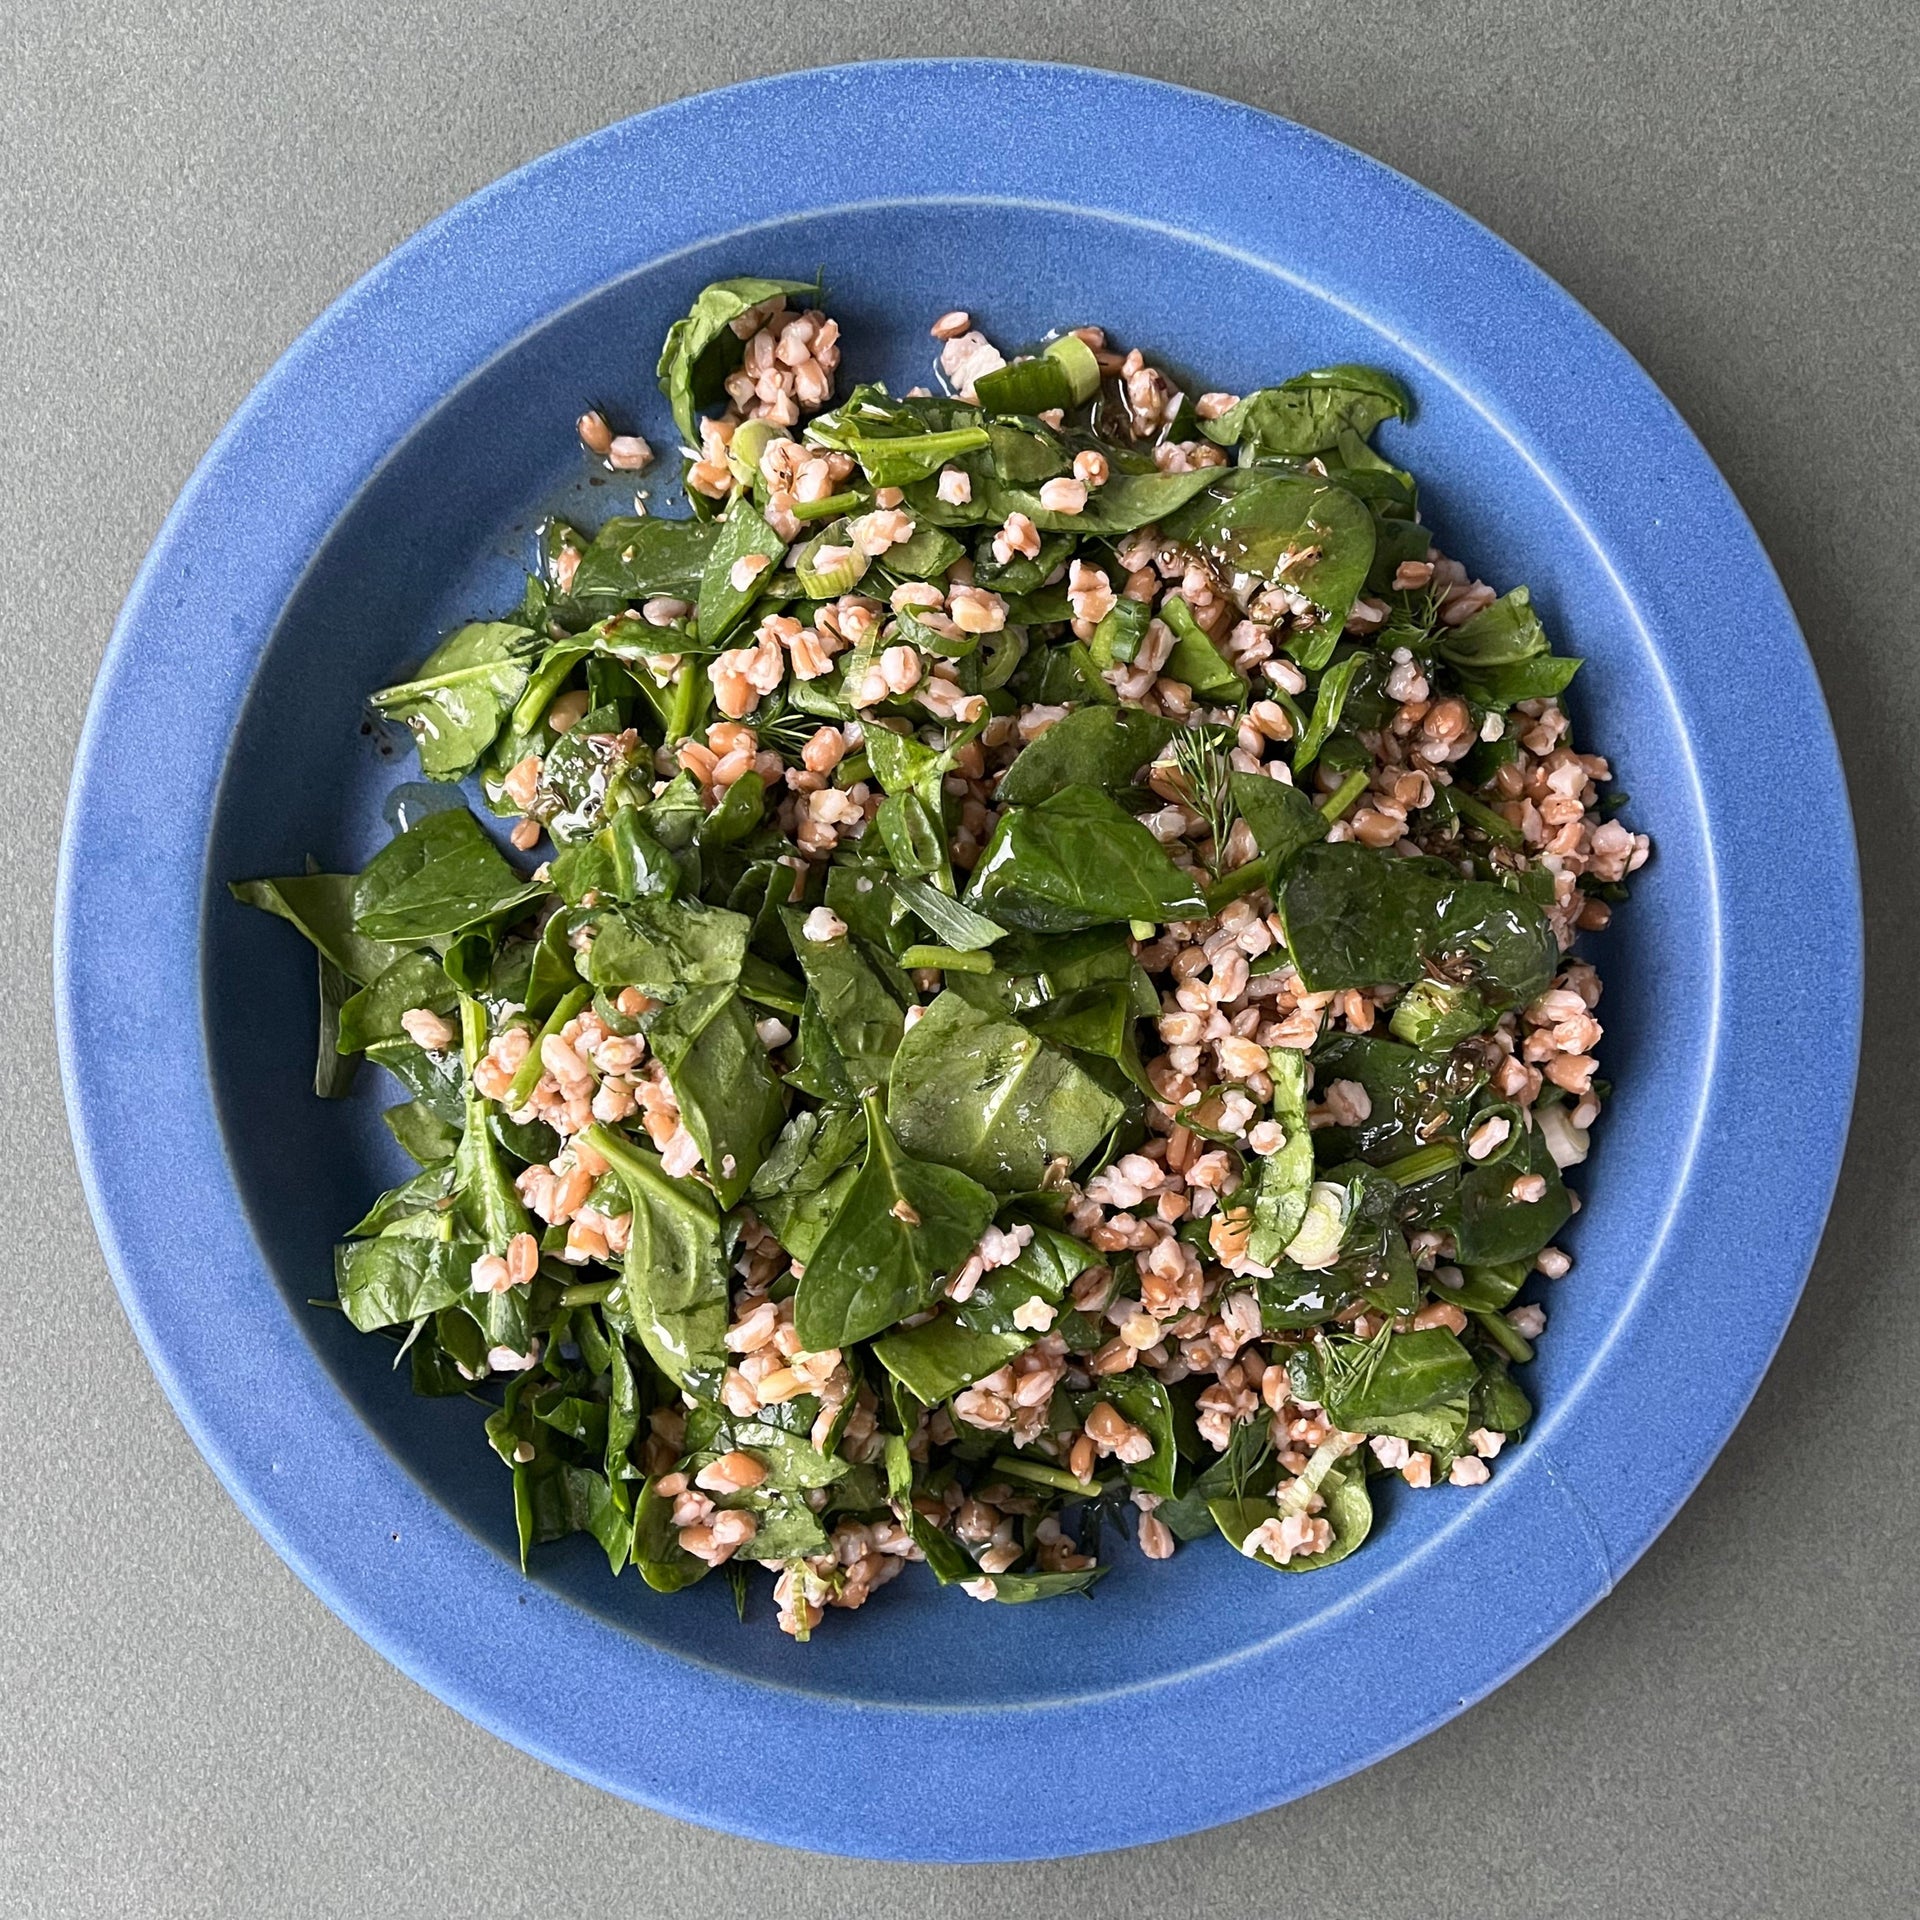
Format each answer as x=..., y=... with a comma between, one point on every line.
x=948, y=959
x=830, y=508
x=1411, y=1168
x=1041, y=1476
x=527, y=1077
x=1501, y=1333
x=1476, y=813
x=473, y=1031
x=1335, y=805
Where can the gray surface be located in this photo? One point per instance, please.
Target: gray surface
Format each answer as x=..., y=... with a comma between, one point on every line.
x=1732, y=191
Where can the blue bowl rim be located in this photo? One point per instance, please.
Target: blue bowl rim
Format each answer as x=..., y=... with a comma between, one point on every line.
x=317, y=1483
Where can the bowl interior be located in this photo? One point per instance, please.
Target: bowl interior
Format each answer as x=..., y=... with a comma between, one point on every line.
x=443, y=531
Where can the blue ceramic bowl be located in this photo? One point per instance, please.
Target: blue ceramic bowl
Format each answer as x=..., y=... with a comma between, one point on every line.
x=381, y=484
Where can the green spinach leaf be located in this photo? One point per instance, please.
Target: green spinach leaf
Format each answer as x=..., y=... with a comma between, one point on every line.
x=979, y=1092
x=1076, y=859
x=903, y=1226
x=462, y=695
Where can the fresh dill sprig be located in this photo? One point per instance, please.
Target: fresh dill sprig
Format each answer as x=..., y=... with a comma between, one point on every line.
x=1348, y=1365
x=1413, y=622
x=1205, y=771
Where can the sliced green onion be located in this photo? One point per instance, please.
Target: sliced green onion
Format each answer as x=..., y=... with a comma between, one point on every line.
x=1082, y=368
x=473, y=1031
x=948, y=959
x=830, y=582
x=751, y=438
x=1317, y=1244
x=1116, y=640
x=1476, y=813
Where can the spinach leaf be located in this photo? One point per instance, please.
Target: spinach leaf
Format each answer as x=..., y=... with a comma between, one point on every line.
x=811, y=1149
x=862, y=1016
x=1076, y=859
x=912, y=819
x=665, y=1565
x=462, y=695
x=954, y=925
x=966, y=1343
x=622, y=861
x=1285, y=1177
x=1349, y=1511
x=1100, y=1020
x=1281, y=818
x=1144, y=1400
x=388, y=1281
x=1440, y=1430
x=414, y=980
x=1541, y=678
x=903, y=1226
x=1064, y=675
x=702, y=349
x=1328, y=702
x=320, y=905
x=667, y=948
x=429, y=1193
x=489, y=1202
x=423, y=1135
x=1494, y=1227
x=675, y=1267
x=1095, y=746
x=631, y=560
x=1501, y=635
x=1125, y=502
x=1393, y=1374
x=862, y=893
x=436, y=880
x=1493, y=941
x=1314, y=536
x=1016, y=1589
x=437, y=1080
x=981, y=1093
x=1308, y=414
x=1356, y=916
x=743, y=535
x=799, y=1219
x=1496, y=1402
x=334, y=1067
x=1195, y=660
x=730, y=1098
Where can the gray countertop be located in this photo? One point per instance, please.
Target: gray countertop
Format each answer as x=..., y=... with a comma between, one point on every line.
x=1731, y=188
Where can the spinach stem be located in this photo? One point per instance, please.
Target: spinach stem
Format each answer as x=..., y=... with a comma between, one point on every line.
x=528, y=1075
x=1335, y=805
x=1500, y=1332
x=1041, y=1476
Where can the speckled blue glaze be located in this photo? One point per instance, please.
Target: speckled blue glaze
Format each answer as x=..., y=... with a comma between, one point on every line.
x=381, y=483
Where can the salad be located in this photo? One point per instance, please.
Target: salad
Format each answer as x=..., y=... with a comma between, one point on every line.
x=1047, y=1009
